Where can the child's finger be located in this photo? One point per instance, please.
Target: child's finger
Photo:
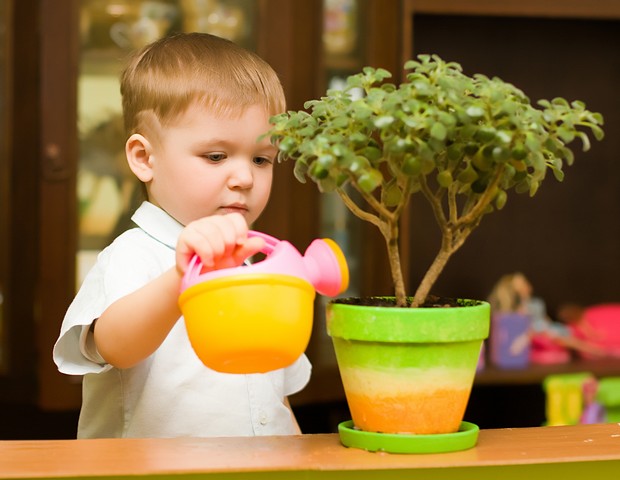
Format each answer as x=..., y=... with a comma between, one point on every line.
x=224, y=232
x=250, y=247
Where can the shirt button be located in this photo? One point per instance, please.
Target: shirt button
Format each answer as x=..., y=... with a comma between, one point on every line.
x=263, y=418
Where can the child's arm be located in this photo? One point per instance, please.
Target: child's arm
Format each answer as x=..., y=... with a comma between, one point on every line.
x=134, y=326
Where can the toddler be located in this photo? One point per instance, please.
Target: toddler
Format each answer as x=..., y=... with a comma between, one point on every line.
x=195, y=107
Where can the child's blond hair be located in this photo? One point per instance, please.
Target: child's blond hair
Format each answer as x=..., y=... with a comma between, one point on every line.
x=165, y=78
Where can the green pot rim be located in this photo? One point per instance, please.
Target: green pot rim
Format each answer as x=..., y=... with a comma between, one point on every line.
x=406, y=325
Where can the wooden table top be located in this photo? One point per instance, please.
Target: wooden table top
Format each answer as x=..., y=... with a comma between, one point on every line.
x=302, y=453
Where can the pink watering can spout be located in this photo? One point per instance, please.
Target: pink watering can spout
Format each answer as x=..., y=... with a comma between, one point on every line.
x=326, y=267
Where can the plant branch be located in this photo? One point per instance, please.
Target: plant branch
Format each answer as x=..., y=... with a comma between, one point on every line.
x=485, y=199
x=452, y=205
x=357, y=211
x=377, y=206
x=435, y=203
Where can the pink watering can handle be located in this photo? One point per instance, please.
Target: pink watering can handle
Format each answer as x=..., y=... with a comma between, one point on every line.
x=192, y=273
x=194, y=268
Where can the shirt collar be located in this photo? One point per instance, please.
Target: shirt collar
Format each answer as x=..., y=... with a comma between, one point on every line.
x=157, y=224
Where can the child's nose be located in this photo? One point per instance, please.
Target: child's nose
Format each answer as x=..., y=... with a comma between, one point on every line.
x=241, y=176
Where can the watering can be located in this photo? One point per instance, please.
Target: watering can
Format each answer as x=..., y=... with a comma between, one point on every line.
x=257, y=318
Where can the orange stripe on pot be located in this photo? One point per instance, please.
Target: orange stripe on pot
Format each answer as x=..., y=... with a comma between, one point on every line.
x=422, y=413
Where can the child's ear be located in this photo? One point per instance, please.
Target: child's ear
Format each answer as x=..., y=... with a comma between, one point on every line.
x=139, y=150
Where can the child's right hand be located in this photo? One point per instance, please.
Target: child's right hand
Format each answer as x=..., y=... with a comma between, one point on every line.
x=221, y=241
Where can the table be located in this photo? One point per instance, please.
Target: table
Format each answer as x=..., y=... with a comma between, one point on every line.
x=567, y=452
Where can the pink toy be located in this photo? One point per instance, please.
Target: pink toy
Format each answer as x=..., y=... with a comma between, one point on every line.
x=323, y=265
x=600, y=326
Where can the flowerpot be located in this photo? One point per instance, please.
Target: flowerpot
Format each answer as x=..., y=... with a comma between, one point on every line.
x=408, y=370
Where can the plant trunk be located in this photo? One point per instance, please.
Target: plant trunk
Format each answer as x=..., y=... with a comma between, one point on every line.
x=453, y=239
x=390, y=233
x=431, y=275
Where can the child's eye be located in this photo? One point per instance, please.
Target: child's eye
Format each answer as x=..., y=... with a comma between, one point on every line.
x=215, y=157
x=262, y=160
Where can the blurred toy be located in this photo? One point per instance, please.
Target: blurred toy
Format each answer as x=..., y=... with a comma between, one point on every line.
x=608, y=395
x=592, y=332
x=596, y=327
x=510, y=322
x=592, y=410
x=565, y=398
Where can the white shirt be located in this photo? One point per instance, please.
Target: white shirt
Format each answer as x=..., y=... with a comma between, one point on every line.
x=171, y=393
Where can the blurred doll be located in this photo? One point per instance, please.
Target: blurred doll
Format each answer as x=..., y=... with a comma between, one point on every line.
x=511, y=322
x=593, y=411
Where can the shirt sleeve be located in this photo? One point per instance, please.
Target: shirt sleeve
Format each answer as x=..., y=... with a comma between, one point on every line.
x=297, y=376
x=121, y=268
x=86, y=307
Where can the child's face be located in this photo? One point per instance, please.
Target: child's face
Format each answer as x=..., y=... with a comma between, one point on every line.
x=212, y=165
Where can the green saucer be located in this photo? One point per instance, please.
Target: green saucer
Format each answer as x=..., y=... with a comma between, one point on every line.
x=465, y=438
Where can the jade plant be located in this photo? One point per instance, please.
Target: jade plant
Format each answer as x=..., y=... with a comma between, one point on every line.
x=461, y=142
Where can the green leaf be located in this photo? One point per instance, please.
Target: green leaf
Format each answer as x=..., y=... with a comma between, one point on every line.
x=532, y=142
x=509, y=173
x=585, y=140
x=523, y=186
x=471, y=148
x=411, y=165
x=318, y=171
x=444, y=179
x=358, y=164
x=392, y=195
x=567, y=135
x=598, y=132
x=358, y=139
x=383, y=121
x=300, y=171
x=371, y=153
x=485, y=134
x=455, y=151
x=501, y=154
x=519, y=152
x=447, y=119
x=468, y=175
x=439, y=132
x=326, y=161
x=370, y=180
x=327, y=185
x=500, y=199
x=475, y=113
x=568, y=154
x=340, y=122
